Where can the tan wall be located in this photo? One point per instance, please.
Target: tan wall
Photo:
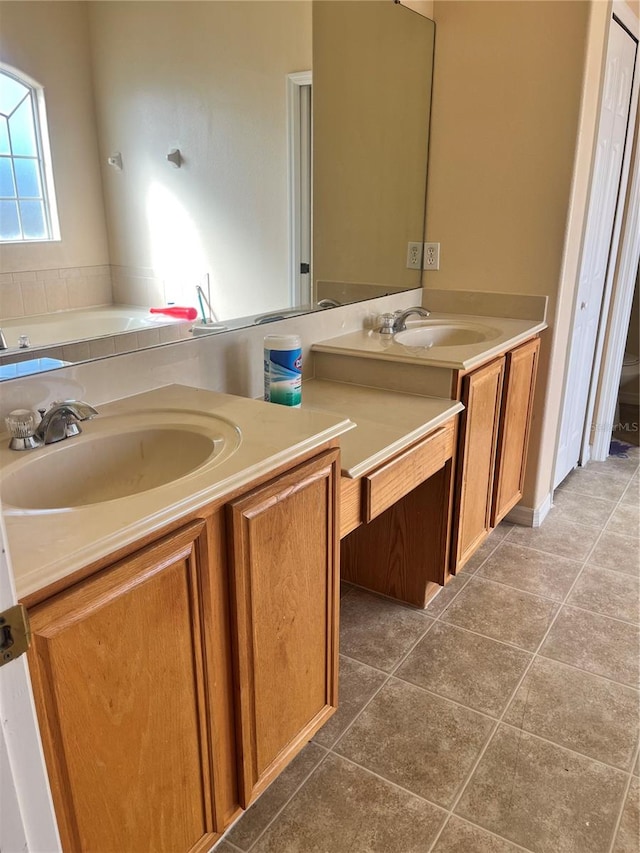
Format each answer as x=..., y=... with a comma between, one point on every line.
x=48, y=41
x=372, y=89
x=633, y=335
x=210, y=80
x=506, y=114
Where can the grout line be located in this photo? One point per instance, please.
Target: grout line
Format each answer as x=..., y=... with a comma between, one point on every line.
x=570, y=749
x=625, y=794
x=588, y=671
x=573, y=606
x=393, y=784
x=488, y=831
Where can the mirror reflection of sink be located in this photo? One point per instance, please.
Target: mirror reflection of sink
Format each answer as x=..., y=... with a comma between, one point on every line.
x=438, y=333
x=118, y=456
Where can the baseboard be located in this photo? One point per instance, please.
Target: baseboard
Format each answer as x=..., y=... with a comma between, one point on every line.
x=526, y=516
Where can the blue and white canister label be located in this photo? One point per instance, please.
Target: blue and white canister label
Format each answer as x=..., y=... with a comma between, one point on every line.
x=283, y=375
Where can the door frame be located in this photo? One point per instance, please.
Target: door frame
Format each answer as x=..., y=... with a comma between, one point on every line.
x=299, y=159
x=628, y=21
x=604, y=392
x=28, y=817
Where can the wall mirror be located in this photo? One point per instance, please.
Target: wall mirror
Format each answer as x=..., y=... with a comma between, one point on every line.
x=179, y=135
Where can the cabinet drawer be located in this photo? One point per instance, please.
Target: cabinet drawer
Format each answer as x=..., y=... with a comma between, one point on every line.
x=383, y=487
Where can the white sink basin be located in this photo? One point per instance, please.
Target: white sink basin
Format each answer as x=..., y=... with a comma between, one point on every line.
x=442, y=333
x=116, y=457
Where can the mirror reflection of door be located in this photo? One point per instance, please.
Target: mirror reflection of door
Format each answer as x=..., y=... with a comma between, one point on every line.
x=299, y=177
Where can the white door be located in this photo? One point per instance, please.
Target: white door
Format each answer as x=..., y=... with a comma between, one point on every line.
x=27, y=821
x=605, y=190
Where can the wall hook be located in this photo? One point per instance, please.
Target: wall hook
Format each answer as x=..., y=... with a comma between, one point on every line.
x=175, y=157
x=115, y=160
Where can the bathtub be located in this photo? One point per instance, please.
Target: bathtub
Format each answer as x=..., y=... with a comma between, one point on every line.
x=64, y=327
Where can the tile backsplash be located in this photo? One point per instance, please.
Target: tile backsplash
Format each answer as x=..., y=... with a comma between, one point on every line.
x=44, y=291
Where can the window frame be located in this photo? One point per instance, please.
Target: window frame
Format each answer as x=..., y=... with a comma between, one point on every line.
x=44, y=159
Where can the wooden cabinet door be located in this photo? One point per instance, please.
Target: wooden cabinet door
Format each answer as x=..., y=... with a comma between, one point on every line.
x=515, y=421
x=481, y=395
x=117, y=670
x=284, y=562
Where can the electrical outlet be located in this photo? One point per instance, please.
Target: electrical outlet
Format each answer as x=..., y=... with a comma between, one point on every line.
x=414, y=256
x=431, y=256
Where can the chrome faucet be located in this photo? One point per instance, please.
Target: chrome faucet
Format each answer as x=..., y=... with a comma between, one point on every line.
x=400, y=322
x=3, y=341
x=61, y=420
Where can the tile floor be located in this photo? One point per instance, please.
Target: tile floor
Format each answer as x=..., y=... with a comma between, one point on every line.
x=503, y=718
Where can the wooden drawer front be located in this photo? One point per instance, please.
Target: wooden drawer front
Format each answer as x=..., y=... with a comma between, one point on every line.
x=383, y=487
x=350, y=505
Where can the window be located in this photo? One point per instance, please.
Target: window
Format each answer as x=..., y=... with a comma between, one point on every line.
x=27, y=204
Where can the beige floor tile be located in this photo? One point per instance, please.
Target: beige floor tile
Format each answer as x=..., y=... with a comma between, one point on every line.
x=628, y=837
x=636, y=768
x=245, y=831
x=592, y=715
x=376, y=630
x=625, y=520
x=477, y=559
x=459, y=836
x=419, y=741
x=595, y=483
x=618, y=553
x=502, y=613
x=608, y=593
x=344, y=809
x=223, y=847
x=558, y=535
x=443, y=599
x=531, y=571
x=594, y=513
x=358, y=683
x=542, y=796
x=595, y=643
x=469, y=669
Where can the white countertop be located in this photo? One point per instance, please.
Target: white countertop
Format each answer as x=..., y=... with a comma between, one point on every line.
x=387, y=421
x=370, y=344
x=47, y=545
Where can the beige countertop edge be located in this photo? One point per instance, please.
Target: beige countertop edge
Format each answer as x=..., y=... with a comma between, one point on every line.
x=387, y=422
x=359, y=469
x=469, y=356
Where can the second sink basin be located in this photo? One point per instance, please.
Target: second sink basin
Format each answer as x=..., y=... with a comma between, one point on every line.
x=116, y=457
x=442, y=333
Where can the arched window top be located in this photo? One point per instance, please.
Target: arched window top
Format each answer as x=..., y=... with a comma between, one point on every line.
x=27, y=206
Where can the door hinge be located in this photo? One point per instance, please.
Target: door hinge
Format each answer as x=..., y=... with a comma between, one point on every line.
x=15, y=635
x=304, y=268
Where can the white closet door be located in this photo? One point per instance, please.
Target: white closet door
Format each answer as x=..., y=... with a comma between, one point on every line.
x=605, y=189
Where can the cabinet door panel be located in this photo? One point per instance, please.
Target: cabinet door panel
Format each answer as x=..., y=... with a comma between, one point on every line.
x=285, y=584
x=481, y=392
x=117, y=668
x=515, y=421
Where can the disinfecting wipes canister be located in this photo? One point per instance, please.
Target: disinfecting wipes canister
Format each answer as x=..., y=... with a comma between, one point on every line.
x=283, y=369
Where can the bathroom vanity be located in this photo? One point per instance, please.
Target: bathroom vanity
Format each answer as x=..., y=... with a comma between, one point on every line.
x=185, y=618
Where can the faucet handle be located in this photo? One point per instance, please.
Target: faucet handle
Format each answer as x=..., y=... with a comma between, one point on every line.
x=21, y=424
x=386, y=322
